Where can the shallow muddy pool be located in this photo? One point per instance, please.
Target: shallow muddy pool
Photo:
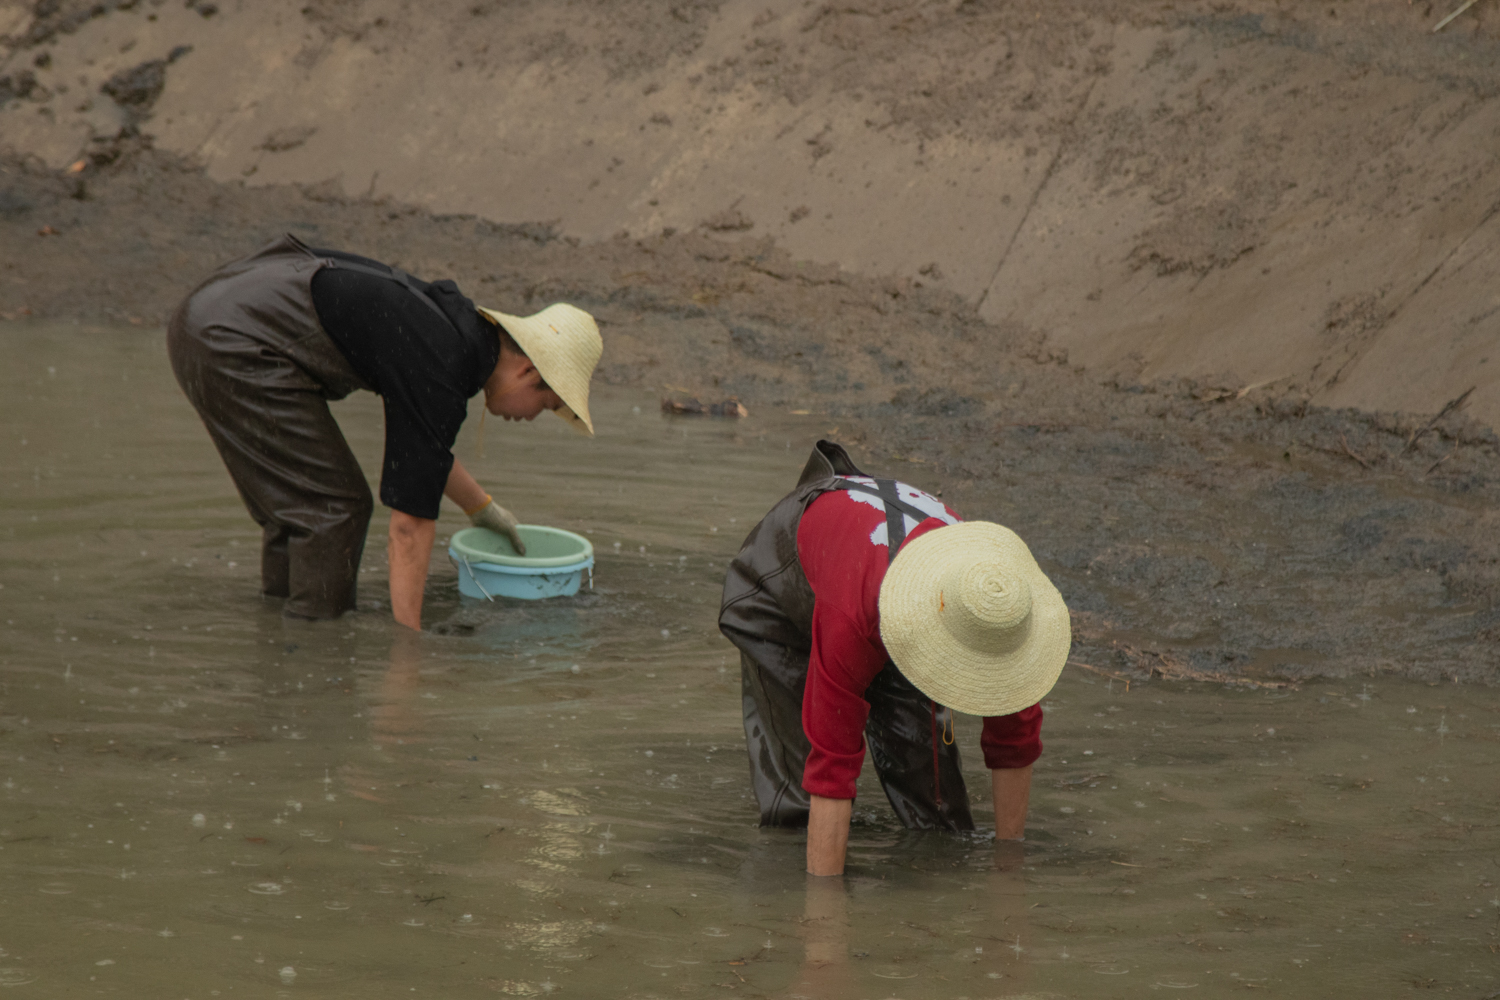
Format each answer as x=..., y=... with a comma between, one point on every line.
x=198, y=799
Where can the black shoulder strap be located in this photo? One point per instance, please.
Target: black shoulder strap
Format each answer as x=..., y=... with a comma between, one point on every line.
x=395, y=274
x=895, y=517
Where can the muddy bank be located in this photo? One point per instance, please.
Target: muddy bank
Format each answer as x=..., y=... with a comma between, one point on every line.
x=1243, y=191
x=1196, y=528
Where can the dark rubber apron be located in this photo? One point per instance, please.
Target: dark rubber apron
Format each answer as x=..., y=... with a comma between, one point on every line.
x=767, y=614
x=250, y=353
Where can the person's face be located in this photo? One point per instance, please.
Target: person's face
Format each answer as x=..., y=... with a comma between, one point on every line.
x=516, y=390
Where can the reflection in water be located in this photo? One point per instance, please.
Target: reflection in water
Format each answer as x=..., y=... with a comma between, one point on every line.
x=552, y=799
x=842, y=934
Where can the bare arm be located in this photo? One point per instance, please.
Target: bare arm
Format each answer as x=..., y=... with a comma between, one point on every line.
x=1012, y=792
x=409, y=552
x=463, y=490
x=828, y=835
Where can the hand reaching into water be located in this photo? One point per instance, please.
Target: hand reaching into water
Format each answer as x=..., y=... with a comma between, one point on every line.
x=497, y=518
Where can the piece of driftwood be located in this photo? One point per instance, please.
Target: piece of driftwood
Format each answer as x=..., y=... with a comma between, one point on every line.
x=693, y=407
x=1452, y=405
x=1170, y=668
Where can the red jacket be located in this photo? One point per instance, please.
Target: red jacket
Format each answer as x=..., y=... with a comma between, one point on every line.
x=841, y=546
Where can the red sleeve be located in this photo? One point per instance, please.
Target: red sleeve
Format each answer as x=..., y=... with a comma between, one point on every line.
x=1011, y=741
x=840, y=668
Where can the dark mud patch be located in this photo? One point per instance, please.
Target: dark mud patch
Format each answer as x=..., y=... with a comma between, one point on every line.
x=1195, y=529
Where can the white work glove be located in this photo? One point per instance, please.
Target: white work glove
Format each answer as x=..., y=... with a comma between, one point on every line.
x=497, y=518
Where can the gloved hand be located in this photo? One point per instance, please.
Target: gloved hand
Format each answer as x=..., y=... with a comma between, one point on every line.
x=497, y=518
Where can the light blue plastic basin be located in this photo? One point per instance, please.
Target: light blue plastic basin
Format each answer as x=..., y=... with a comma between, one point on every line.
x=553, y=566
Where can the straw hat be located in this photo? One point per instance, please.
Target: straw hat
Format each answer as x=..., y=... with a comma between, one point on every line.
x=563, y=342
x=972, y=621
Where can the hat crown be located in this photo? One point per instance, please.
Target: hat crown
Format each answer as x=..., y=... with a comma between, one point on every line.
x=986, y=607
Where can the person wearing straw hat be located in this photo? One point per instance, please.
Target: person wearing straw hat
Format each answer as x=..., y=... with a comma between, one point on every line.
x=262, y=345
x=865, y=613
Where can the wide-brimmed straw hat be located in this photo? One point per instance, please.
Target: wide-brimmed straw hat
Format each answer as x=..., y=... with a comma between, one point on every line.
x=563, y=342
x=970, y=619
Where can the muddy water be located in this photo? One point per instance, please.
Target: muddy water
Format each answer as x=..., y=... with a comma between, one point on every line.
x=198, y=799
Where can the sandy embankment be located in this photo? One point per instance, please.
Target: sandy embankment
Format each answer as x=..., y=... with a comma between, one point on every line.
x=1156, y=190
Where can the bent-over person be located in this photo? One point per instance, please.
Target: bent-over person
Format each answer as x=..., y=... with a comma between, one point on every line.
x=865, y=613
x=262, y=345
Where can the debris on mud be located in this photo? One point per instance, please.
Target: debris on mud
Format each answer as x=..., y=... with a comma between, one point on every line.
x=137, y=88
x=693, y=407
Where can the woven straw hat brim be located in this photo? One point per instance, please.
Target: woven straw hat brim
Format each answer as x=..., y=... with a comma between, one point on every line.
x=563, y=342
x=913, y=607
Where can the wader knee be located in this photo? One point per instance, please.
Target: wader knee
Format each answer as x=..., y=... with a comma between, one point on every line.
x=324, y=563
x=776, y=743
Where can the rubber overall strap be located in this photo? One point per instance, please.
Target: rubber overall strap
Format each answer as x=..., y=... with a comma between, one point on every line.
x=895, y=517
x=393, y=274
x=895, y=507
x=937, y=771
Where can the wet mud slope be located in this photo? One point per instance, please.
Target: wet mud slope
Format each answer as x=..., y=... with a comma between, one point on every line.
x=1187, y=469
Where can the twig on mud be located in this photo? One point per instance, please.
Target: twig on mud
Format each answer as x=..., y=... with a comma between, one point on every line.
x=1083, y=780
x=1350, y=451
x=1461, y=8
x=1219, y=395
x=1259, y=385
x=1102, y=672
x=1433, y=467
x=1453, y=404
